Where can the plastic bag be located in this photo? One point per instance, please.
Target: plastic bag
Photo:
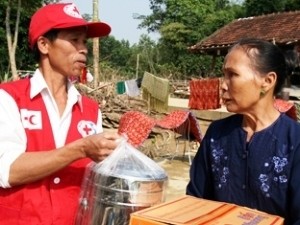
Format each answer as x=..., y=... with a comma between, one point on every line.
x=126, y=181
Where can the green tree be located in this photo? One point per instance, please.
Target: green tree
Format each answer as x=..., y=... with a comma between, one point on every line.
x=292, y=5
x=115, y=53
x=147, y=53
x=182, y=24
x=257, y=7
x=12, y=37
x=24, y=58
x=125, y=58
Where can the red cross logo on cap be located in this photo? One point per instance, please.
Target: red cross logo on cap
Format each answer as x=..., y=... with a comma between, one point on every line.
x=75, y=9
x=71, y=10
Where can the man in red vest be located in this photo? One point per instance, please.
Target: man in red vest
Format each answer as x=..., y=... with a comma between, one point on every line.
x=48, y=131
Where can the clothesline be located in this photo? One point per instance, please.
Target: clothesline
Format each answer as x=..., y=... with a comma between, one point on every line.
x=130, y=87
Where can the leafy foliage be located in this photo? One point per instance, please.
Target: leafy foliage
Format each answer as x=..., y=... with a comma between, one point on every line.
x=180, y=24
x=24, y=59
x=257, y=7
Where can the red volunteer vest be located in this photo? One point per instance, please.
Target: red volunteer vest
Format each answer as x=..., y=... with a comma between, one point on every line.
x=53, y=200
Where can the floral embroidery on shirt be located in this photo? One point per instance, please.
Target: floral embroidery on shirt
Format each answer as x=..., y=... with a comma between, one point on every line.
x=279, y=163
x=264, y=184
x=218, y=162
x=265, y=179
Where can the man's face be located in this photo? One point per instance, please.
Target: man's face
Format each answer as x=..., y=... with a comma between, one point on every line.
x=68, y=52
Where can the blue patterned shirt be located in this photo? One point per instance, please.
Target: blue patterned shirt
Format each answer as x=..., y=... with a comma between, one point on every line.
x=263, y=174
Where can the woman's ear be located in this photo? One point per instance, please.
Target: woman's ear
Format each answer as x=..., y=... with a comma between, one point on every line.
x=43, y=44
x=269, y=81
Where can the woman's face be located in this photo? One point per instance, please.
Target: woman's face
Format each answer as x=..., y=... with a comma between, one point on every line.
x=241, y=84
x=68, y=52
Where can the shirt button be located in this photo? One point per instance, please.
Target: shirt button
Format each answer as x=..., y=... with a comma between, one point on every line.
x=244, y=156
x=56, y=180
x=243, y=186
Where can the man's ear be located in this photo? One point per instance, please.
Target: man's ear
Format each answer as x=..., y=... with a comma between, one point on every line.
x=269, y=81
x=43, y=44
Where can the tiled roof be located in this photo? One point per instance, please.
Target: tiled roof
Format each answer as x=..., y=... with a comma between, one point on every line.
x=281, y=28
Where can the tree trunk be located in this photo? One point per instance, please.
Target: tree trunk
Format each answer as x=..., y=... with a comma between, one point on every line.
x=96, y=47
x=12, y=45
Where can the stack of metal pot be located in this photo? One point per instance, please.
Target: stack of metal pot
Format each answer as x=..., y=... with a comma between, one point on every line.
x=125, y=182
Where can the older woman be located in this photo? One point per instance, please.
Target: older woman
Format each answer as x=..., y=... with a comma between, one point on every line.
x=251, y=158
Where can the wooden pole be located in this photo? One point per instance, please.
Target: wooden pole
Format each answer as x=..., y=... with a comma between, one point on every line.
x=137, y=66
x=96, y=47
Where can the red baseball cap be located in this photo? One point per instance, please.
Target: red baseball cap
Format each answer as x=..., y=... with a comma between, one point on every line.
x=59, y=16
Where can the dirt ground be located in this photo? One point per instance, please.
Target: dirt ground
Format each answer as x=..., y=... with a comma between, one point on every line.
x=175, y=157
x=178, y=177
x=177, y=166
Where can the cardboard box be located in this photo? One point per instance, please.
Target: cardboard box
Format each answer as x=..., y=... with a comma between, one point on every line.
x=191, y=210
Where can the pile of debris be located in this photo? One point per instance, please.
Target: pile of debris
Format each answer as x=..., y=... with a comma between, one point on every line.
x=160, y=143
x=113, y=105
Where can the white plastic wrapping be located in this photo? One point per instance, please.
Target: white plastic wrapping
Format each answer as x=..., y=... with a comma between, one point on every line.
x=126, y=181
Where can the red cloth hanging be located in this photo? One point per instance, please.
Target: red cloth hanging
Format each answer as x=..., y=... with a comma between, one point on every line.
x=182, y=122
x=204, y=94
x=137, y=126
x=286, y=107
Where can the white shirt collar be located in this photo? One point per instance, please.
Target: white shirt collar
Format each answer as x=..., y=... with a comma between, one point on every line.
x=38, y=84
